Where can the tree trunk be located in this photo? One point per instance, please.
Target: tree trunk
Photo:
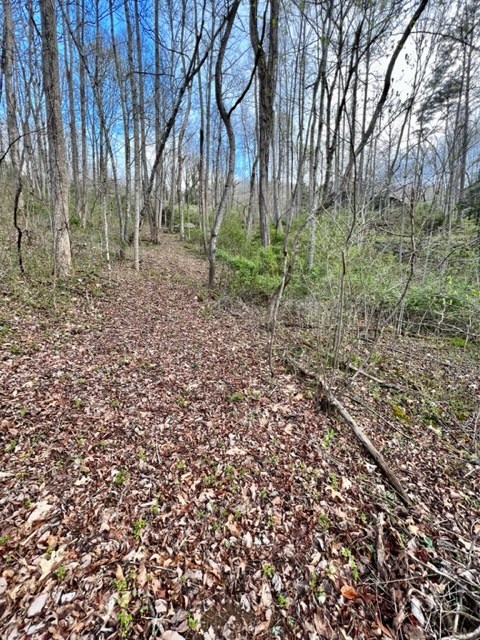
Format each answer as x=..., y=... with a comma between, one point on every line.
x=181, y=135
x=68, y=61
x=59, y=188
x=267, y=76
x=136, y=140
x=226, y=119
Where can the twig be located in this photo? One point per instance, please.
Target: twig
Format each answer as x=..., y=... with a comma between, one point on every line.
x=457, y=613
x=473, y=635
x=468, y=586
x=378, y=415
x=287, y=271
x=381, y=547
x=382, y=383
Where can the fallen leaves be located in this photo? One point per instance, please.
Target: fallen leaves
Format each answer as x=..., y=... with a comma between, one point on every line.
x=39, y=513
x=417, y=611
x=349, y=592
x=171, y=635
x=134, y=489
x=37, y=605
x=47, y=564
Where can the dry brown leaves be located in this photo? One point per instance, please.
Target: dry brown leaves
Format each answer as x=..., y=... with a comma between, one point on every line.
x=155, y=482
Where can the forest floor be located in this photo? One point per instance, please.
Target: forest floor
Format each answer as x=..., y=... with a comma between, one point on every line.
x=156, y=481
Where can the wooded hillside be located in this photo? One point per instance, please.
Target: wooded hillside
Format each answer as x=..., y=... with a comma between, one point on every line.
x=240, y=319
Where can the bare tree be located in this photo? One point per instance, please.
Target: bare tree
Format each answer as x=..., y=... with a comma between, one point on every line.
x=59, y=183
x=267, y=80
x=226, y=119
x=12, y=127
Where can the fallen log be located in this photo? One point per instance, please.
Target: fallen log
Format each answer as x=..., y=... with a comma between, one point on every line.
x=332, y=401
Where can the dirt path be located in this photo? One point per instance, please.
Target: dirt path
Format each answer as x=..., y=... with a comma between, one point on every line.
x=153, y=477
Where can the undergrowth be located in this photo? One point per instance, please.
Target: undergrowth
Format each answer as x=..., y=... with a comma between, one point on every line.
x=441, y=294
x=35, y=288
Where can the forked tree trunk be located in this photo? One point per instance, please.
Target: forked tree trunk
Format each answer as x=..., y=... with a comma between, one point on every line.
x=226, y=119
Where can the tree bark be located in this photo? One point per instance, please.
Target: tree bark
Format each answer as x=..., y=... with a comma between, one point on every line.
x=12, y=127
x=267, y=76
x=226, y=119
x=136, y=139
x=59, y=187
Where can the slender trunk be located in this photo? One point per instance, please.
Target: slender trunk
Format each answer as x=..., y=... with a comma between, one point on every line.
x=465, y=123
x=226, y=119
x=68, y=58
x=59, y=187
x=202, y=186
x=83, y=111
x=267, y=76
x=123, y=220
x=251, y=198
x=156, y=213
x=181, y=135
x=12, y=127
x=141, y=100
x=136, y=139
x=172, y=182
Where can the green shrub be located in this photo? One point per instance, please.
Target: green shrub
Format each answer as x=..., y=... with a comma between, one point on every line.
x=444, y=291
x=258, y=275
x=252, y=268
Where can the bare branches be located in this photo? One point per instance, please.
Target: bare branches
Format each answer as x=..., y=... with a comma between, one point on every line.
x=388, y=78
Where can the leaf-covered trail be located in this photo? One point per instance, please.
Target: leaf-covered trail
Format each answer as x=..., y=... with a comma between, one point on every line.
x=155, y=479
